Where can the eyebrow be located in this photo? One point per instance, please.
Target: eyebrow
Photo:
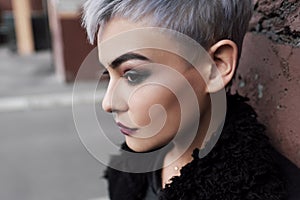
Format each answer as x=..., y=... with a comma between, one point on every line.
x=126, y=57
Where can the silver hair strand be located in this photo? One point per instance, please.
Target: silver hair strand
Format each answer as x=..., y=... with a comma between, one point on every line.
x=206, y=21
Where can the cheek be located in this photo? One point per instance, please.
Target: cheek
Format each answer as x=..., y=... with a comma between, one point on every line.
x=144, y=98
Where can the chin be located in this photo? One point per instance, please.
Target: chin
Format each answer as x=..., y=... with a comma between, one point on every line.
x=141, y=145
x=138, y=146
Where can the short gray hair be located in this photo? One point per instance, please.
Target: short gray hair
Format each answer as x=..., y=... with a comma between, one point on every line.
x=206, y=21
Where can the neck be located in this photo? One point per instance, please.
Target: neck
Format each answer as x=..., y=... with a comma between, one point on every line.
x=186, y=143
x=179, y=155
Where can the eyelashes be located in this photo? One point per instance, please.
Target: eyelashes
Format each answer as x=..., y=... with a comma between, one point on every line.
x=133, y=76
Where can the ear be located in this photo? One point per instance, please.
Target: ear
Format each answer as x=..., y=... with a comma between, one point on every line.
x=224, y=54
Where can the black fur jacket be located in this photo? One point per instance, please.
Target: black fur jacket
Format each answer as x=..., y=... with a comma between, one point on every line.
x=240, y=167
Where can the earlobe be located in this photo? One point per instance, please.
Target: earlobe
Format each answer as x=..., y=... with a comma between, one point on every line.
x=224, y=55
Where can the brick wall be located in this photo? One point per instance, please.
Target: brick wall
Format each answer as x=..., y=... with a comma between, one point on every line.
x=269, y=72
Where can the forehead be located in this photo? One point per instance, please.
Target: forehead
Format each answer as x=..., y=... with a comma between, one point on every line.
x=120, y=36
x=116, y=26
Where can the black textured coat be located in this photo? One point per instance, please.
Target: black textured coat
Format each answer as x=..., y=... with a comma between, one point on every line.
x=240, y=167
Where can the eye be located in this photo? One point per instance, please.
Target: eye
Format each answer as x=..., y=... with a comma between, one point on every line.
x=135, y=77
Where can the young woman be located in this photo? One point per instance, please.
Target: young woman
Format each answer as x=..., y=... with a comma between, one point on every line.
x=167, y=96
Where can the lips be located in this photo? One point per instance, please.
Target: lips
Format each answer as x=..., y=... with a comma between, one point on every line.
x=126, y=130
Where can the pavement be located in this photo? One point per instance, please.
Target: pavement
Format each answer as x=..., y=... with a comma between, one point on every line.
x=41, y=155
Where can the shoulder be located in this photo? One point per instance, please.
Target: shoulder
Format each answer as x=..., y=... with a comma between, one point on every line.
x=235, y=178
x=240, y=166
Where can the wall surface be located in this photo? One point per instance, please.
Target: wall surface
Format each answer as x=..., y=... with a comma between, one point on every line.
x=70, y=44
x=269, y=72
x=6, y=5
x=279, y=20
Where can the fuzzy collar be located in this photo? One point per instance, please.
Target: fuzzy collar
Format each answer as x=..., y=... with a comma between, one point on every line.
x=239, y=167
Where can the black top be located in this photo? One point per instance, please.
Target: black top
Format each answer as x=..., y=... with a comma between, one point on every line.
x=154, y=185
x=241, y=166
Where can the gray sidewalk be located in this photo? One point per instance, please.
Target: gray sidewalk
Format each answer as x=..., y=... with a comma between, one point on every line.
x=40, y=152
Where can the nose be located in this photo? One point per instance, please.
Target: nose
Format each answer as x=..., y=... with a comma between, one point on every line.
x=113, y=100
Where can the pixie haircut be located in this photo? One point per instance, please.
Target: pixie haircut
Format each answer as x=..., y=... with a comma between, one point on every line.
x=206, y=21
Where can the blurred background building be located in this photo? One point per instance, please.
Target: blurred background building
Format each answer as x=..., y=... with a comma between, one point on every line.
x=42, y=46
x=29, y=26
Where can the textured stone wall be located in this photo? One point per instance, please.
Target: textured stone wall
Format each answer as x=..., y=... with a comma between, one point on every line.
x=269, y=72
x=279, y=20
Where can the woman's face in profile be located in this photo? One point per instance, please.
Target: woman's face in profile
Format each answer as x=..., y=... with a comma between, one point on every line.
x=145, y=91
